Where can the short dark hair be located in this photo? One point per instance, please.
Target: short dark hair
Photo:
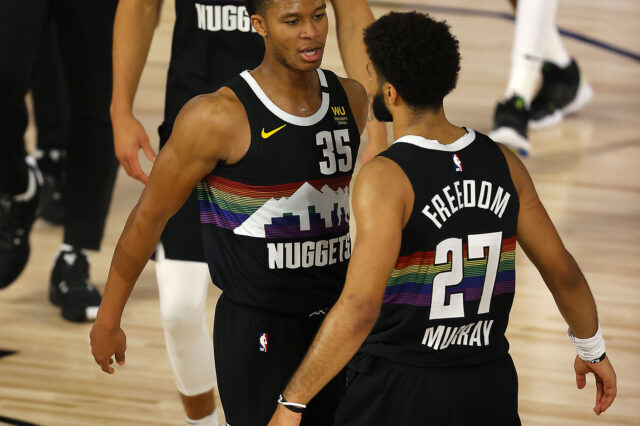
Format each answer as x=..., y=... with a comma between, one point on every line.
x=415, y=53
x=256, y=6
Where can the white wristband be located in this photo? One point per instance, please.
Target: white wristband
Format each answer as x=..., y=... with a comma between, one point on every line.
x=591, y=349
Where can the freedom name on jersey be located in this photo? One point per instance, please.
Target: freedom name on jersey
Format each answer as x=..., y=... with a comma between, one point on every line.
x=226, y=17
x=464, y=194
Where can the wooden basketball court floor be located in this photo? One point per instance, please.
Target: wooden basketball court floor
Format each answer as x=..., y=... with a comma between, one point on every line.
x=586, y=171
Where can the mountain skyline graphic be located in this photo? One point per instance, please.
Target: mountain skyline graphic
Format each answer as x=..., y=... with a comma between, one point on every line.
x=307, y=213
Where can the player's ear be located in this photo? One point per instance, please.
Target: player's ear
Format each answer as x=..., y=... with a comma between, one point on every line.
x=259, y=24
x=390, y=93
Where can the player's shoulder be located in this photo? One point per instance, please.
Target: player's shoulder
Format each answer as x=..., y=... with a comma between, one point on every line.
x=381, y=174
x=353, y=88
x=215, y=109
x=219, y=113
x=357, y=96
x=519, y=173
x=383, y=184
x=212, y=122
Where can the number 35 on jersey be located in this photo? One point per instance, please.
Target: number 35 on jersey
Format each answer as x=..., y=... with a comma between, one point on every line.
x=335, y=150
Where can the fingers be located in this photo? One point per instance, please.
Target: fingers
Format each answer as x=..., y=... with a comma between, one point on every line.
x=136, y=169
x=608, y=397
x=120, y=358
x=132, y=166
x=146, y=147
x=581, y=380
x=127, y=146
x=599, y=391
x=105, y=365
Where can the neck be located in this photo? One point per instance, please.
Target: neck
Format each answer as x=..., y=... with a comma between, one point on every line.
x=429, y=124
x=294, y=91
x=283, y=77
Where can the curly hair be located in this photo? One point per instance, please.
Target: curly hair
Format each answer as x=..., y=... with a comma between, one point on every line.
x=416, y=54
x=256, y=6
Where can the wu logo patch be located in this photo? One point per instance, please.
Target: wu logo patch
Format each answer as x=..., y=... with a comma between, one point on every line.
x=340, y=115
x=266, y=135
x=263, y=342
x=457, y=163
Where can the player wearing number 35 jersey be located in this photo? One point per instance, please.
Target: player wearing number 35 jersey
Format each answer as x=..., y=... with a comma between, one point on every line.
x=432, y=276
x=273, y=152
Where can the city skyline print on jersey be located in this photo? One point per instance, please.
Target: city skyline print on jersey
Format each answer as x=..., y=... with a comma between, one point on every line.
x=291, y=210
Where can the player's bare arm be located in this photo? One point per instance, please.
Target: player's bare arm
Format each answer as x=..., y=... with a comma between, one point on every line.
x=358, y=102
x=542, y=244
x=209, y=129
x=352, y=17
x=382, y=203
x=134, y=24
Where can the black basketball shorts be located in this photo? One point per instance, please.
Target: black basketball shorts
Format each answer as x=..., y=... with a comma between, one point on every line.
x=384, y=393
x=256, y=353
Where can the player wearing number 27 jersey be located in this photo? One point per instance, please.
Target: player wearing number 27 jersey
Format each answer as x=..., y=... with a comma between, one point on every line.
x=448, y=297
x=431, y=278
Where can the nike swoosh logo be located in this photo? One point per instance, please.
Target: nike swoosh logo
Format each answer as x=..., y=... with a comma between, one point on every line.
x=266, y=135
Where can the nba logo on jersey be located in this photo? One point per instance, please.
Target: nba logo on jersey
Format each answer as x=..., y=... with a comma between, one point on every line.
x=457, y=163
x=263, y=342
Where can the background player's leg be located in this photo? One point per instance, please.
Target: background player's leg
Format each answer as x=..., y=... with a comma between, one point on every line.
x=51, y=113
x=85, y=32
x=21, y=24
x=183, y=289
x=554, y=50
x=181, y=256
x=534, y=22
x=563, y=89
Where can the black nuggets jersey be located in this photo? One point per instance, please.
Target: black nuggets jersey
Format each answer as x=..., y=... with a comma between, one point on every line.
x=448, y=298
x=276, y=224
x=213, y=40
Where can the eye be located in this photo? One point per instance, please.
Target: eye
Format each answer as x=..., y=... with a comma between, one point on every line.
x=291, y=22
x=318, y=16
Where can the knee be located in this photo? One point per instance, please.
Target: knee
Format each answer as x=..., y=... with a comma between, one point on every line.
x=183, y=289
x=181, y=313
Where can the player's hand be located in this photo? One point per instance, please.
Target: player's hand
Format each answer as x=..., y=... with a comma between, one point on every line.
x=129, y=137
x=606, y=387
x=107, y=341
x=284, y=417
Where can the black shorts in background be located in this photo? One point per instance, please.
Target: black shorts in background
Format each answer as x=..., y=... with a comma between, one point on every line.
x=252, y=375
x=384, y=393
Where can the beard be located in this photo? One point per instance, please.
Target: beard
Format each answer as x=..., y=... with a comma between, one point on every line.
x=380, y=110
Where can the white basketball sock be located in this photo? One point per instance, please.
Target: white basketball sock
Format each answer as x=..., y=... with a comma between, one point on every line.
x=554, y=50
x=210, y=420
x=68, y=247
x=534, y=21
x=183, y=289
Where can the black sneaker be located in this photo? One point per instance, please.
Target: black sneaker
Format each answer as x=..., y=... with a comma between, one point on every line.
x=71, y=289
x=563, y=92
x=51, y=165
x=16, y=219
x=510, y=125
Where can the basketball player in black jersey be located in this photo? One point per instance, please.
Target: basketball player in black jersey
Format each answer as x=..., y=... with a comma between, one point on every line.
x=431, y=281
x=204, y=56
x=276, y=149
